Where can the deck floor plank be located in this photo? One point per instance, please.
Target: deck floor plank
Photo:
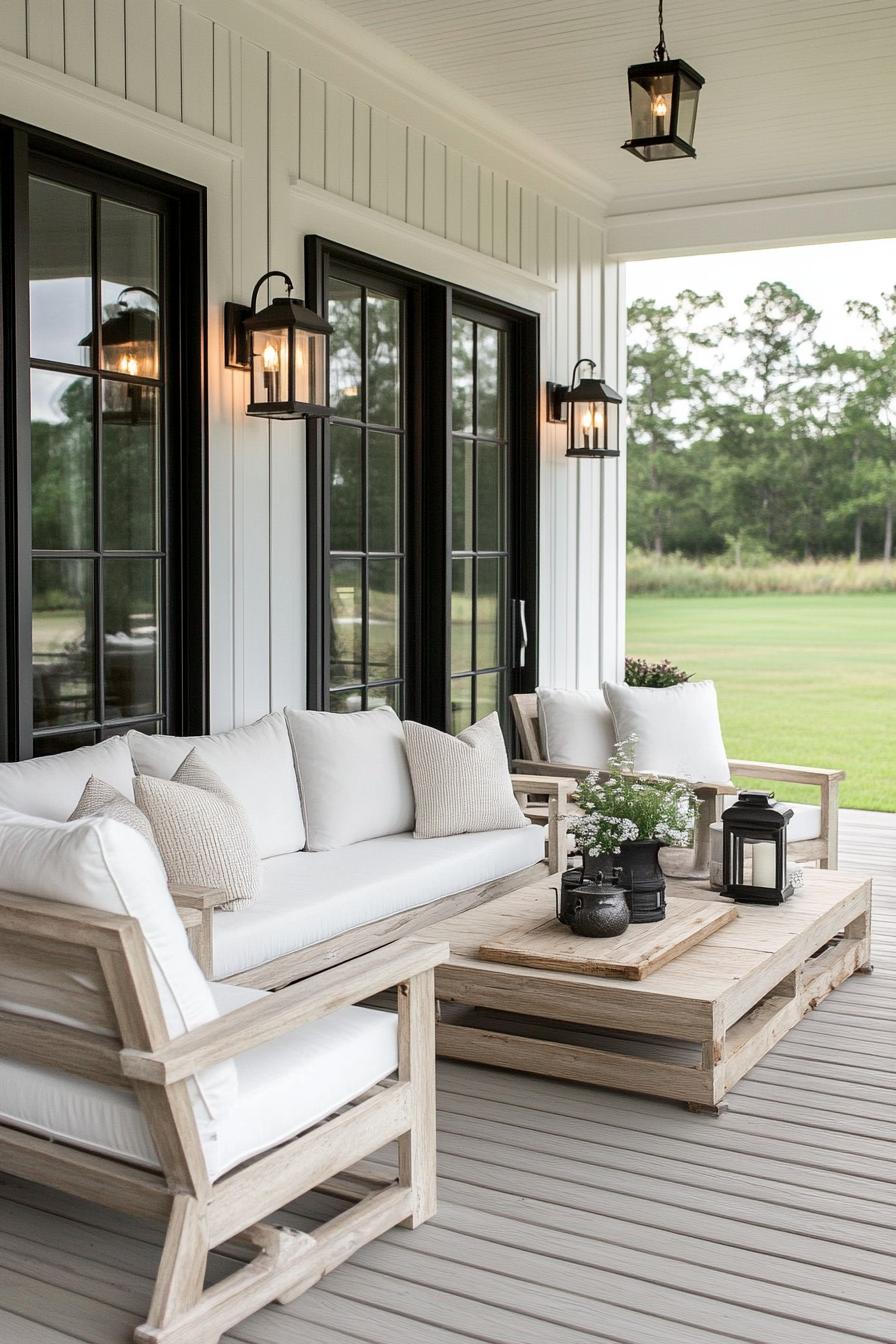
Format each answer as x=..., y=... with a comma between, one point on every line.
x=574, y=1216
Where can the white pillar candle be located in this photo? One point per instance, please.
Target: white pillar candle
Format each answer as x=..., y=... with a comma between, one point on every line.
x=764, y=864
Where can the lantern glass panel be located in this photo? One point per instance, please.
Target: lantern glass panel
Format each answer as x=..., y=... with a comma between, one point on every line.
x=311, y=367
x=588, y=422
x=651, y=105
x=687, y=108
x=270, y=365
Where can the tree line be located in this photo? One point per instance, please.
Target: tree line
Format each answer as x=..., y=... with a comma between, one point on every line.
x=751, y=436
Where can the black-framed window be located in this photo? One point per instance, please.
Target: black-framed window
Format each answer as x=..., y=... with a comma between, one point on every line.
x=423, y=552
x=104, y=548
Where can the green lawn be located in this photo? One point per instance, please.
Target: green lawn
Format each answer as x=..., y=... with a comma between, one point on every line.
x=806, y=680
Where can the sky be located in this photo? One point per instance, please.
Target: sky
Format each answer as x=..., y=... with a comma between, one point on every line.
x=825, y=275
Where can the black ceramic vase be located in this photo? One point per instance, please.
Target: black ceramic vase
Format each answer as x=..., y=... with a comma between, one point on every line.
x=642, y=877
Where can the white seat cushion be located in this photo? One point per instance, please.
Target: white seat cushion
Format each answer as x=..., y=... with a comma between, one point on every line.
x=255, y=763
x=51, y=786
x=676, y=728
x=576, y=727
x=353, y=775
x=805, y=824
x=307, y=898
x=284, y=1087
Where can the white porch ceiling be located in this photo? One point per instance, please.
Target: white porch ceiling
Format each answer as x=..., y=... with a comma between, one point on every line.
x=800, y=95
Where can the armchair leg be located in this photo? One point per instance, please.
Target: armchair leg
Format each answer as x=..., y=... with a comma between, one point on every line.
x=416, y=1065
x=182, y=1268
x=830, y=814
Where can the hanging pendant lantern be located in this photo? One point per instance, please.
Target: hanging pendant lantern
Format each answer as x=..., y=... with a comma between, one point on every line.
x=663, y=97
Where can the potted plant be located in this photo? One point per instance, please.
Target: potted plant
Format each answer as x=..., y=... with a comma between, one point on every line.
x=627, y=819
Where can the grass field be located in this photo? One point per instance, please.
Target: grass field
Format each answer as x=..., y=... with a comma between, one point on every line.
x=806, y=680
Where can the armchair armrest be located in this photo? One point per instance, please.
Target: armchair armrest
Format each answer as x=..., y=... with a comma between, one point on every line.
x=790, y=774
x=196, y=906
x=283, y=1011
x=556, y=788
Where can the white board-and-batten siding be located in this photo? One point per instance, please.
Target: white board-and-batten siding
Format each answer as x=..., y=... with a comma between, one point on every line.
x=289, y=139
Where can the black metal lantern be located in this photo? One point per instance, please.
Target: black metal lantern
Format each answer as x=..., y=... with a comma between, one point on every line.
x=592, y=414
x=129, y=347
x=284, y=347
x=755, y=828
x=663, y=96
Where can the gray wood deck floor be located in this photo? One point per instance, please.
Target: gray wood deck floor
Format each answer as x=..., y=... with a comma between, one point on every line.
x=570, y=1215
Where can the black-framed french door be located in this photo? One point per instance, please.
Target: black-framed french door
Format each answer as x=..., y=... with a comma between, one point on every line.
x=422, y=501
x=104, y=465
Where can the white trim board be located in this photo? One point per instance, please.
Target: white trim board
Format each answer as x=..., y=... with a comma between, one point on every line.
x=816, y=217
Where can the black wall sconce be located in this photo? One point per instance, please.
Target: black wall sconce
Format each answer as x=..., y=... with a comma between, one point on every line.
x=284, y=347
x=663, y=96
x=590, y=408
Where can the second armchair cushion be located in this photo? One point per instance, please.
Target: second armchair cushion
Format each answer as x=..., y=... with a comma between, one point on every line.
x=201, y=832
x=461, y=784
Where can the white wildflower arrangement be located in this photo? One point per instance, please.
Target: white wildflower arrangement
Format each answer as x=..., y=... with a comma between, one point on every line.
x=625, y=806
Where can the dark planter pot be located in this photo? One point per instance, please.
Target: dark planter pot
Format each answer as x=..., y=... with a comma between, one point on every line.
x=642, y=877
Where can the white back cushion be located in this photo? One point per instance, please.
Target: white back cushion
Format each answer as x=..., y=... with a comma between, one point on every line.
x=105, y=865
x=255, y=763
x=353, y=775
x=51, y=786
x=677, y=728
x=576, y=727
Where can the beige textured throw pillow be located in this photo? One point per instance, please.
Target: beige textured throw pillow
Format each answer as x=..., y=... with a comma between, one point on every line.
x=100, y=799
x=201, y=832
x=462, y=783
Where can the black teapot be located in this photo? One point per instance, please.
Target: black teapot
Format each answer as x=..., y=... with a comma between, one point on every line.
x=592, y=907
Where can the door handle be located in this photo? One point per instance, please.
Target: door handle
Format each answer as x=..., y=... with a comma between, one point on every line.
x=522, y=632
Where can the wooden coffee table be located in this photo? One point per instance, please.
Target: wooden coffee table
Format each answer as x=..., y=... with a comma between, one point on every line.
x=734, y=995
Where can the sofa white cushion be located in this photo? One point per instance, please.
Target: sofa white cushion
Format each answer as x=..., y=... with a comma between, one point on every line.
x=677, y=728
x=107, y=866
x=805, y=824
x=307, y=898
x=461, y=784
x=576, y=727
x=51, y=786
x=201, y=831
x=353, y=775
x=256, y=765
x=284, y=1087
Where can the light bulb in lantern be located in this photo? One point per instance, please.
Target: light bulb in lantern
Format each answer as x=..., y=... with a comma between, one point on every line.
x=130, y=365
x=660, y=111
x=270, y=359
x=587, y=426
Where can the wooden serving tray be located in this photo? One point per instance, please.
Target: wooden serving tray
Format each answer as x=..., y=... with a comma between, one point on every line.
x=548, y=945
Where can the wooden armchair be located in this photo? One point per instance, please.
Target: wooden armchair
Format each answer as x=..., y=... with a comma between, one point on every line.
x=822, y=848
x=128, y=1046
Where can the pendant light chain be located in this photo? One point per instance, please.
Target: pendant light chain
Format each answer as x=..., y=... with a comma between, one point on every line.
x=659, y=52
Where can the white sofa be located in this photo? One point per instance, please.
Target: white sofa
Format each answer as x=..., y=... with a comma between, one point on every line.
x=341, y=870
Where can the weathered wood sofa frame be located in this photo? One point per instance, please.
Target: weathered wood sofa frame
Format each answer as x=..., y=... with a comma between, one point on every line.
x=712, y=796
x=130, y=1047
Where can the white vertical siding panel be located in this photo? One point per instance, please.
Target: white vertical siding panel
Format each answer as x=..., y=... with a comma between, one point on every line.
x=469, y=219
x=499, y=217
x=434, y=219
x=168, y=59
x=453, y=194
x=339, y=143
x=397, y=170
x=80, y=58
x=312, y=129
x=14, y=26
x=414, y=207
x=588, y=673
x=221, y=78
x=110, y=53
x=565, y=472
x=547, y=239
x=139, y=52
x=613, y=485
x=486, y=225
x=514, y=241
x=46, y=32
x=198, y=47
x=379, y=161
x=528, y=230
x=252, y=557
x=361, y=157
x=283, y=133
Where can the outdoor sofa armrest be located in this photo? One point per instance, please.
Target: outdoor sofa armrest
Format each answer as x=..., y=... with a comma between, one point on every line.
x=196, y=907
x=790, y=774
x=283, y=1011
x=556, y=788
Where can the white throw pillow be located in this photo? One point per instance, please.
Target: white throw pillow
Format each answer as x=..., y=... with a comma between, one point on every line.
x=50, y=786
x=576, y=727
x=256, y=765
x=353, y=775
x=461, y=784
x=677, y=728
x=101, y=864
x=201, y=832
x=99, y=799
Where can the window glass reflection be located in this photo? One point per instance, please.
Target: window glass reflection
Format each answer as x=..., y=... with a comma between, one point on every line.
x=60, y=273
x=61, y=461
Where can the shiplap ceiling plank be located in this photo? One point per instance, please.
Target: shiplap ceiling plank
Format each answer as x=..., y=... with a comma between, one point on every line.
x=198, y=39
x=45, y=32
x=140, y=51
x=168, y=59
x=787, y=85
x=110, y=49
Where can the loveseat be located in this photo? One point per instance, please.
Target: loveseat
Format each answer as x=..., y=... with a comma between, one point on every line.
x=329, y=801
